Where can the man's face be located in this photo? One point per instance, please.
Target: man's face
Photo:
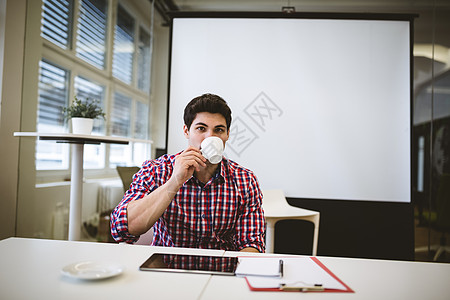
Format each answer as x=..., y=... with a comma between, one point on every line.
x=205, y=125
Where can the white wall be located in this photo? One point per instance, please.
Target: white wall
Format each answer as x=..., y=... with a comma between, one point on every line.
x=158, y=98
x=12, y=28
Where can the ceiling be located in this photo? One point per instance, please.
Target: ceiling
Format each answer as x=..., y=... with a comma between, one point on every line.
x=423, y=23
x=307, y=5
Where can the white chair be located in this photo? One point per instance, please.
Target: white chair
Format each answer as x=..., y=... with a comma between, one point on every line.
x=277, y=208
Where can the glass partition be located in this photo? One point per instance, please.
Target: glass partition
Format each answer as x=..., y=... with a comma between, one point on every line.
x=431, y=133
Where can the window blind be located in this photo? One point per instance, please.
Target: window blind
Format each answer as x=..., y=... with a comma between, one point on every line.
x=123, y=46
x=141, y=121
x=56, y=22
x=121, y=115
x=53, y=94
x=84, y=89
x=92, y=31
x=144, y=60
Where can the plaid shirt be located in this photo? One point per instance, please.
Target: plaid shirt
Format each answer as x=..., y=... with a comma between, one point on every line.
x=225, y=213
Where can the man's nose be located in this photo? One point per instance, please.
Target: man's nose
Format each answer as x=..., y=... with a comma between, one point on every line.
x=210, y=133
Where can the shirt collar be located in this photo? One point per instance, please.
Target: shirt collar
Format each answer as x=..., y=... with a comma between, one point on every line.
x=218, y=176
x=220, y=172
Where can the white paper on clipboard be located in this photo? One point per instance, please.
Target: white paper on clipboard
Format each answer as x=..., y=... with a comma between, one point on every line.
x=258, y=266
x=298, y=271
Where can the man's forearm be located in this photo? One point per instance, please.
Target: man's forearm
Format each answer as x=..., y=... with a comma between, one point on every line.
x=143, y=213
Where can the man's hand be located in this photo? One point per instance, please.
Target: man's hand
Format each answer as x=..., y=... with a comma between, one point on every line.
x=189, y=161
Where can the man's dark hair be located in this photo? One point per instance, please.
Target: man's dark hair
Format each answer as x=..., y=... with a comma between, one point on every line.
x=207, y=103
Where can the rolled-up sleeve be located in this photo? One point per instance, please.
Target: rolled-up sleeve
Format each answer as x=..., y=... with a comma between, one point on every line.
x=251, y=224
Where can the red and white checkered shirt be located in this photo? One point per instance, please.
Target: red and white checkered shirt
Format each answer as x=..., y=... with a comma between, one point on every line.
x=225, y=213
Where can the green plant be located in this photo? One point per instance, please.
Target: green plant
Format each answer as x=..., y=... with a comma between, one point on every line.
x=83, y=109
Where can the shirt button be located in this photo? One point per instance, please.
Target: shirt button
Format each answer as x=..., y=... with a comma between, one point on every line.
x=203, y=216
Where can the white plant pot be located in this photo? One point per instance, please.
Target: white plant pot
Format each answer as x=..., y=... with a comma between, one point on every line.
x=82, y=126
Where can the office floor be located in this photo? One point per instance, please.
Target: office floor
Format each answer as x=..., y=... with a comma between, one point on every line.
x=423, y=235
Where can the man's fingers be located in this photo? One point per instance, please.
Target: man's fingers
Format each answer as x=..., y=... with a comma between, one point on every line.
x=187, y=162
x=193, y=155
x=194, y=162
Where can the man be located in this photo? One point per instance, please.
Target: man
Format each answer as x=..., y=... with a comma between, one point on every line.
x=189, y=201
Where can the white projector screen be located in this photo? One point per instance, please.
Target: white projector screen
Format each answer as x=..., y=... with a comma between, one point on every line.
x=321, y=107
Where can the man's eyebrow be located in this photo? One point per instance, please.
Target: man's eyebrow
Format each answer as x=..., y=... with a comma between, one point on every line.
x=201, y=123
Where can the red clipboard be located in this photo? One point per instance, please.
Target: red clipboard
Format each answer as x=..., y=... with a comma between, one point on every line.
x=319, y=263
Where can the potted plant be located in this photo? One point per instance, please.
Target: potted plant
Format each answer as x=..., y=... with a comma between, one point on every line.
x=82, y=114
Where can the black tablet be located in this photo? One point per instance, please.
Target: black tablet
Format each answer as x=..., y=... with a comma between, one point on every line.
x=165, y=262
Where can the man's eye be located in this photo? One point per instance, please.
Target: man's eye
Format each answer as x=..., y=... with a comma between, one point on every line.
x=219, y=130
x=200, y=128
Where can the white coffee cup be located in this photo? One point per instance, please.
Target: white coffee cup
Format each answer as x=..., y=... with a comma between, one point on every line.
x=212, y=149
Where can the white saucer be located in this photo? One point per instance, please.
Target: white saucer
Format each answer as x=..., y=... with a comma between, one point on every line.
x=92, y=270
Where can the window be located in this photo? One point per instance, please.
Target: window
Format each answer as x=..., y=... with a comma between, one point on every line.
x=121, y=115
x=56, y=22
x=141, y=121
x=94, y=155
x=140, y=151
x=144, y=61
x=123, y=46
x=92, y=32
x=82, y=69
x=84, y=89
x=121, y=120
x=53, y=95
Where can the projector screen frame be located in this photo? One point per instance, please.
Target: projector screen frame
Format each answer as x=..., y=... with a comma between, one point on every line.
x=308, y=15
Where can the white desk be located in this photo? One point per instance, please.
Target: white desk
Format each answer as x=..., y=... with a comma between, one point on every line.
x=76, y=183
x=30, y=269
